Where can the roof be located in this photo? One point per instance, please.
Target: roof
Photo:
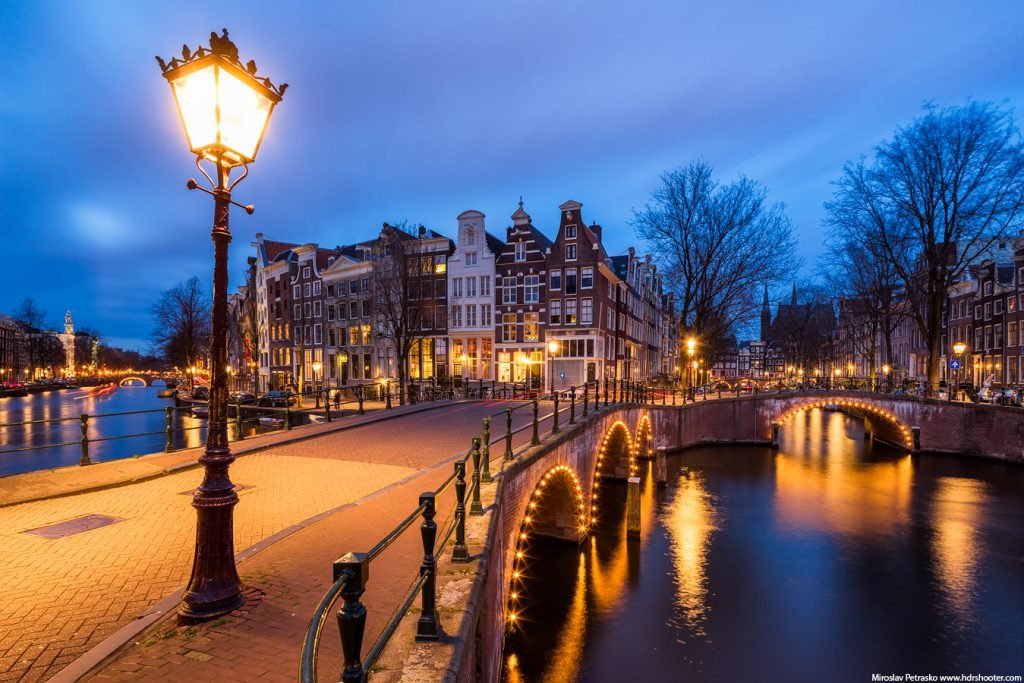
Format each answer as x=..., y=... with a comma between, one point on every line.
x=494, y=244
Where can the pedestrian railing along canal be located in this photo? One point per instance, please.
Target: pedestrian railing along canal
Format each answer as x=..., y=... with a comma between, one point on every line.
x=351, y=572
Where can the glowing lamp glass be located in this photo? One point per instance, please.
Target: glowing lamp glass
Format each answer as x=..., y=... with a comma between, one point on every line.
x=225, y=111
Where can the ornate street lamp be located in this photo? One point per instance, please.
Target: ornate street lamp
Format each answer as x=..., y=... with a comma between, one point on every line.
x=224, y=107
x=959, y=348
x=691, y=349
x=317, y=366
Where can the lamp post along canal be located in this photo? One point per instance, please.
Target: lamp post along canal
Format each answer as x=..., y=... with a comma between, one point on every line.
x=225, y=109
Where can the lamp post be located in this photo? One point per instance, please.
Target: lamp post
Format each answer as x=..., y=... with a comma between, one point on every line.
x=958, y=348
x=691, y=349
x=225, y=109
x=552, y=350
x=317, y=367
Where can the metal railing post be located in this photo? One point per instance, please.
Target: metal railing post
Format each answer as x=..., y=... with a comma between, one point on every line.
x=554, y=416
x=460, y=553
x=508, y=434
x=586, y=398
x=605, y=392
x=428, y=627
x=536, y=423
x=238, y=421
x=169, y=447
x=475, y=508
x=387, y=396
x=485, y=453
x=352, y=615
x=572, y=406
x=327, y=404
x=359, y=395
x=85, y=440
x=287, y=415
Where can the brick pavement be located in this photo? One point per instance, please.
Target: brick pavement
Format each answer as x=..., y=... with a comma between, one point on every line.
x=262, y=641
x=59, y=598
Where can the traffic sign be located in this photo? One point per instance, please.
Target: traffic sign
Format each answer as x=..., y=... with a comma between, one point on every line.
x=954, y=364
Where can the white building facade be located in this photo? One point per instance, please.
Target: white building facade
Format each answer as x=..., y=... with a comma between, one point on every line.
x=471, y=273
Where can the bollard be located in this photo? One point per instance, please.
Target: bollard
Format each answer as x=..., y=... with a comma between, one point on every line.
x=775, y=434
x=352, y=615
x=428, y=627
x=238, y=421
x=287, y=415
x=586, y=397
x=554, y=417
x=460, y=553
x=535, y=441
x=170, y=431
x=387, y=397
x=85, y=441
x=633, y=508
x=327, y=403
x=661, y=467
x=485, y=453
x=605, y=392
x=508, y=434
x=572, y=406
x=475, y=508
x=359, y=395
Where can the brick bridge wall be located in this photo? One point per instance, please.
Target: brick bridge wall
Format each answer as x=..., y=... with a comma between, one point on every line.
x=983, y=431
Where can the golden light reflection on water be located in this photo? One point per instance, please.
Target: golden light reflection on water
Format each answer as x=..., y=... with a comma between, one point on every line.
x=956, y=518
x=691, y=520
x=565, y=659
x=821, y=486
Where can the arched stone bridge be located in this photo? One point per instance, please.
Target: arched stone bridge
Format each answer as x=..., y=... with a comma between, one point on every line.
x=555, y=489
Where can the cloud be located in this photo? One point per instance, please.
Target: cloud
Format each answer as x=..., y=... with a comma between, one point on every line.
x=101, y=227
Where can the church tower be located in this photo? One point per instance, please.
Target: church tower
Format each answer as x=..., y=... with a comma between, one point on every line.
x=766, y=316
x=68, y=339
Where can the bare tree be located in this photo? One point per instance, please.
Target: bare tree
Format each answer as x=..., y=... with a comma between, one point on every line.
x=399, y=308
x=717, y=246
x=181, y=323
x=933, y=200
x=32, y=320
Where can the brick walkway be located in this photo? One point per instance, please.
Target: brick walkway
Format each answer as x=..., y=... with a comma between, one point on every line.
x=61, y=597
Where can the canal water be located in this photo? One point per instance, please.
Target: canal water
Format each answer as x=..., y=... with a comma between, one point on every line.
x=827, y=560
x=72, y=403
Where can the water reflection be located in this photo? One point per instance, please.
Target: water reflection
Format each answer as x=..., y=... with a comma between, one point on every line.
x=691, y=519
x=828, y=555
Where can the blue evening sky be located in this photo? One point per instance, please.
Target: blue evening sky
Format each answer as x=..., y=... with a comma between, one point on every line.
x=418, y=111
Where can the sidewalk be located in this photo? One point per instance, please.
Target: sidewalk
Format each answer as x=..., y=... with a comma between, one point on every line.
x=65, y=481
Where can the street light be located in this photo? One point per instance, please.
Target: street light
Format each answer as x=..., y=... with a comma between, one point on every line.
x=691, y=349
x=224, y=108
x=958, y=348
x=317, y=367
x=552, y=350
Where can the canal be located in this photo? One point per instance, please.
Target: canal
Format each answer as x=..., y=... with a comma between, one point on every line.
x=94, y=401
x=829, y=559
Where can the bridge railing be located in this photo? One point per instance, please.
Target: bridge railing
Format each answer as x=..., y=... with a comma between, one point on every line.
x=544, y=413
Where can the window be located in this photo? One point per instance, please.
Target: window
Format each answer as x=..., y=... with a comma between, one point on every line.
x=440, y=312
x=988, y=288
x=366, y=335
x=470, y=286
x=317, y=334
x=330, y=291
x=331, y=337
x=296, y=292
x=297, y=312
x=365, y=283
x=353, y=309
x=988, y=311
x=316, y=309
x=570, y=232
x=587, y=280
x=520, y=251
x=305, y=289
x=440, y=264
x=586, y=311
x=485, y=315
x=570, y=281
x=306, y=311
x=470, y=258
x=470, y=316
x=531, y=327
x=997, y=336
x=555, y=281
x=570, y=252
x=485, y=285
x=570, y=311
x=531, y=292
x=977, y=312
x=988, y=337
x=997, y=307
x=353, y=287
x=366, y=308
x=470, y=236
x=457, y=288
x=316, y=288
x=508, y=327
x=1011, y=334
x=456, y=316
x=555, y=314
x=977, y=339
x=330, y=312
x=342, y=309
x=1011, y=304
x=508, y=290
x=305, y=272
x=297, y=333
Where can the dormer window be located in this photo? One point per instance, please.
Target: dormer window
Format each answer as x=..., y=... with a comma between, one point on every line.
x=570, y=232
x=520, y=251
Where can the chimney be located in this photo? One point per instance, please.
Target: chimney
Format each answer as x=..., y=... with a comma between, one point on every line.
x=596, y=229
x=423, y=232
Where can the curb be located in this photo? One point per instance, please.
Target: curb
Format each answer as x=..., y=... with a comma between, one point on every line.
x=192, y=464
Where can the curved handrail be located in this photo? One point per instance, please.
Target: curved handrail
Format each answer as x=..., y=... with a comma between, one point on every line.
x=311, y=641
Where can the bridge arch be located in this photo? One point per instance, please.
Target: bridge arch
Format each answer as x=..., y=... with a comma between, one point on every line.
x=644, y=439
x=124, y=381
x=556, y=509
x=868, y=408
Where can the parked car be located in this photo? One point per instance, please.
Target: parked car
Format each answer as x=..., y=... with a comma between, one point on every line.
x=242, y=397
x=201, y=394
x=276, y=399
